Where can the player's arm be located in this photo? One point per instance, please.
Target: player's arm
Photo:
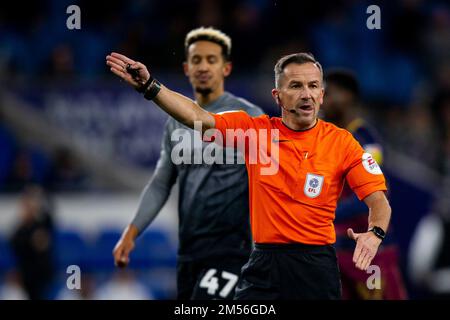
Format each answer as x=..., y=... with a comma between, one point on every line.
x=152, y=199
x=178, y=106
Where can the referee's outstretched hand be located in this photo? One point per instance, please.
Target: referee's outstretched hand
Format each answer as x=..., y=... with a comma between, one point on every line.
x=132, y=72
x=367, y=244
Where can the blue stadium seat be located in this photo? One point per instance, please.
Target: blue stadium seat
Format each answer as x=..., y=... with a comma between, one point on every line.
x=153, y=250
x=157, y=247
x=69, y=249
x=100, y=254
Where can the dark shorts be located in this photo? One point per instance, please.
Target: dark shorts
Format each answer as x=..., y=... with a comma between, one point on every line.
x=290, y=271
x=214, y=278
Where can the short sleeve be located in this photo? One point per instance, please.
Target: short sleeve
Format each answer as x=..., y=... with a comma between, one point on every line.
x=232, y=120
x=363, y=174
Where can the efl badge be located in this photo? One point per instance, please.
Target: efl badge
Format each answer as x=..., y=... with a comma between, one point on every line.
x=313, y=185
x=370, y=164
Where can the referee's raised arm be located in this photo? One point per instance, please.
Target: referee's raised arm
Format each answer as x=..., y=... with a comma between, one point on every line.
x=178, y=106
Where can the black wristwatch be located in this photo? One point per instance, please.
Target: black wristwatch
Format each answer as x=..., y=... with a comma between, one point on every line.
x=150, y=88
x=378, y=232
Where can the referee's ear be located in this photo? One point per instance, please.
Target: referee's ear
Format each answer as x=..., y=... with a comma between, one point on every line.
x=275, y=95
x=322, y=95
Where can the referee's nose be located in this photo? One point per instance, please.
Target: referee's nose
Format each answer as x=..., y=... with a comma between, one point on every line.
x=305, y=94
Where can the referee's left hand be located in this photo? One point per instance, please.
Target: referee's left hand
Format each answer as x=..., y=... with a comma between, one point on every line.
x=119, y=64
x=366, y=248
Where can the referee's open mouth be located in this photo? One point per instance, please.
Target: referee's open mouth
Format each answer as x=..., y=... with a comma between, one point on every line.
x=307, y=107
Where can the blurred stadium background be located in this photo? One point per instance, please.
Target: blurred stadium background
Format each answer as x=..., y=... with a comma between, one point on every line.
x=69, y=126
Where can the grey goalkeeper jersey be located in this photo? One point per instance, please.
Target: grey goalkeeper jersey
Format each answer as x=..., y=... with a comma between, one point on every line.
x=213, y=203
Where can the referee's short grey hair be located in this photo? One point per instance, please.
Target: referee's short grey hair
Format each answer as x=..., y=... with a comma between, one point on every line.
x=298, y=58
x=212, y=35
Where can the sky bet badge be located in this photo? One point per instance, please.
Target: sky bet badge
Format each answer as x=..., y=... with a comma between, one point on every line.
x=370, y=164
x=313, y=185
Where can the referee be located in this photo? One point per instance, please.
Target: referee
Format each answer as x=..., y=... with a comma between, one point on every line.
x=214, y=232
x=292, y=210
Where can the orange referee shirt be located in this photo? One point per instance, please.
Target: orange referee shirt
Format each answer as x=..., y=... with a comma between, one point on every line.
x=298, y=202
